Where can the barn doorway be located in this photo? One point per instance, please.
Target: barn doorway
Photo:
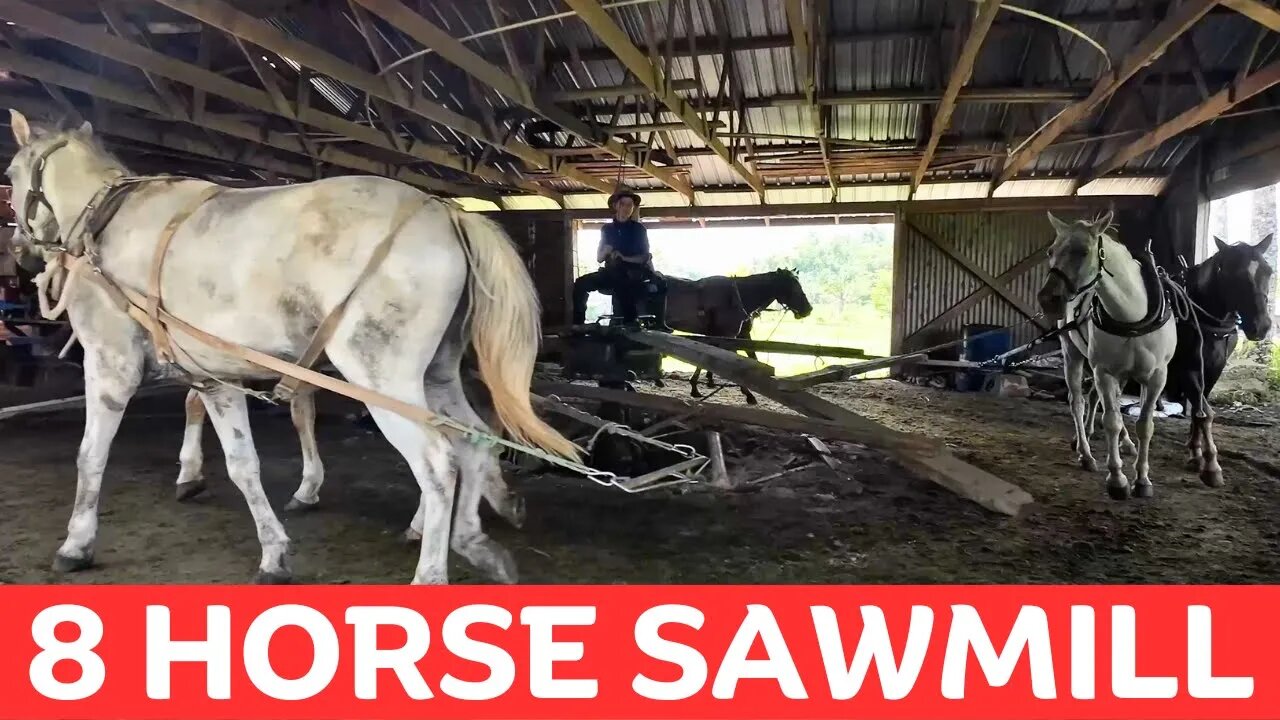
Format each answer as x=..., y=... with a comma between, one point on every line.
x=846, y=271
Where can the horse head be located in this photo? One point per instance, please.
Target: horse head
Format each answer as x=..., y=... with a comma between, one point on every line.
x=1074, y=262
x=1240, y=281
x=34, y=194
x=791, y=294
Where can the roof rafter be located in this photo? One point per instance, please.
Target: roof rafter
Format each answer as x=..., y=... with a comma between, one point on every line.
x=959, y=78
x=595, y=16
x=1257, y=11
x=514, y=88
x=1179, y=20
x=72, y=79
x=1211, y=108
x=121, y=50
x=242, y=25
x=803, y=50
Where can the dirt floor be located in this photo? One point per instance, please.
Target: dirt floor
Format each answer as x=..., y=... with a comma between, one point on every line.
x=875, y=525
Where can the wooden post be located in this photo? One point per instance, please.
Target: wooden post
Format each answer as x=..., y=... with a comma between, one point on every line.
x=715, y=450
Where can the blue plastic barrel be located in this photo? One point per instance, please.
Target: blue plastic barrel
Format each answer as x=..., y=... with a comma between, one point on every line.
x=981, y=343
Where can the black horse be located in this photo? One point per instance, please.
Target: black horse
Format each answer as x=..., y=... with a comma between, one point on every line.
x=1232, y=286
x=721, y=306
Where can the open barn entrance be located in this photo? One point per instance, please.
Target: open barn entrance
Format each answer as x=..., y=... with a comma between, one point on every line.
x=846, y=271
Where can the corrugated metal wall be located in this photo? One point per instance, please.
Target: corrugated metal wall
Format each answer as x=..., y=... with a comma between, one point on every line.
x=932, y=283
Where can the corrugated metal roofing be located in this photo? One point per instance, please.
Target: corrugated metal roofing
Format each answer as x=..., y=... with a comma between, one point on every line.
x=870, y=46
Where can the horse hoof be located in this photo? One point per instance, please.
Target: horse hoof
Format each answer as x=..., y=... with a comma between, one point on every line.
x=188, y=490
x=752, y=401
x=502, y=570
x=515, y=511
x=1130, y=448
x=1118, y=492
x=66, y=564
x=1088, y=463
x=300, y=506
x=1144, y=491
x=265, y=577
x=1212, y=478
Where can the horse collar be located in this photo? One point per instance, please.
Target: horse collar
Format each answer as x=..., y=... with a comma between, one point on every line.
x=1158, y=310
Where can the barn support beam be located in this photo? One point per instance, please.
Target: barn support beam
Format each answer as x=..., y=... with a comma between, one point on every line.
x=1211, y=108
x=595, y=16
x=246, y=27
x=155, y=133
x=959, y=78
x=515, y=89
x=1178, y=21
x=121, y=50
x=1258, y=11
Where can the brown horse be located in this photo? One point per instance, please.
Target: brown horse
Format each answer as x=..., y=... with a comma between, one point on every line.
x=722, y=306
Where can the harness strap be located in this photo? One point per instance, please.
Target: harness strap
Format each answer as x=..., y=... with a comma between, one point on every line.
x=289, y=385
x=164, y=349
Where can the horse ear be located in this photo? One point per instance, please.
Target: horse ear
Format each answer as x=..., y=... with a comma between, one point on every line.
x=1221, y=245
x=86, y=128
x=21, y=128
x=1059, y=226
x=1104, y=221
x=1266, y=243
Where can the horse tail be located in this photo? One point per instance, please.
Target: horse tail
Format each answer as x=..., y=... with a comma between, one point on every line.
x=505, y=330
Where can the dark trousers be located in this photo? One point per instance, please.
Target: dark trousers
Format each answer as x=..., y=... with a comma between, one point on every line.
x=629, y=284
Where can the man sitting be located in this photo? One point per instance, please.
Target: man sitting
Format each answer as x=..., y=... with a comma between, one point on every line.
x=628, y=267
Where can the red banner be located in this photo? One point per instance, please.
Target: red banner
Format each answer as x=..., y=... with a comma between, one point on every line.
x=313, y=653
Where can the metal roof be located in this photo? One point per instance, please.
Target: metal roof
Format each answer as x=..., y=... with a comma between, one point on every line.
x=868, y=54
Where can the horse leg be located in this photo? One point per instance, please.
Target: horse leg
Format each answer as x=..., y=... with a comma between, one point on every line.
x=694, y=383
x=1126, y=444
x=1075, y=390
x=191, y=456
x=508, y=503
x=746, y=393
x=1210, y=470
x=303, y=413
x=229, y=412
x=1109, y=387
x=1146, y=425
x=109, y=383
x=477, y=465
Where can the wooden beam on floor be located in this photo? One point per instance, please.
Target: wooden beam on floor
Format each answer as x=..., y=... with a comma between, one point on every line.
x=613, y=36
x=1216, y=105
x=513, y=88
x=928, y=458
x=783, y=348
x=960, y=76
x=1179, y=20
x=840, y=373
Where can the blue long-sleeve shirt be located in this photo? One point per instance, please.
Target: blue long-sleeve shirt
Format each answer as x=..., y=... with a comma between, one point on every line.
x=628, y=238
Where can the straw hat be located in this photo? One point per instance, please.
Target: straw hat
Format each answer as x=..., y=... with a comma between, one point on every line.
x=622, y=192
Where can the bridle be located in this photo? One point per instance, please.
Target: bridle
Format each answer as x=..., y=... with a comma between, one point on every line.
x=1097, y=278
x=35, y=194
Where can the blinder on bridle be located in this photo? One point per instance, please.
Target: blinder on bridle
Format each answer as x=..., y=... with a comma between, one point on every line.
x=35, y=194
x=1071, y=286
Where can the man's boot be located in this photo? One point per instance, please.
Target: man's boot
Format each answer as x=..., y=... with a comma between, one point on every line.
x=659, y=305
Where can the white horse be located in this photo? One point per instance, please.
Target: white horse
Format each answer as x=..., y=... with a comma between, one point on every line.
x=1122, y=328
x=507, y=503
x=263, y=268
